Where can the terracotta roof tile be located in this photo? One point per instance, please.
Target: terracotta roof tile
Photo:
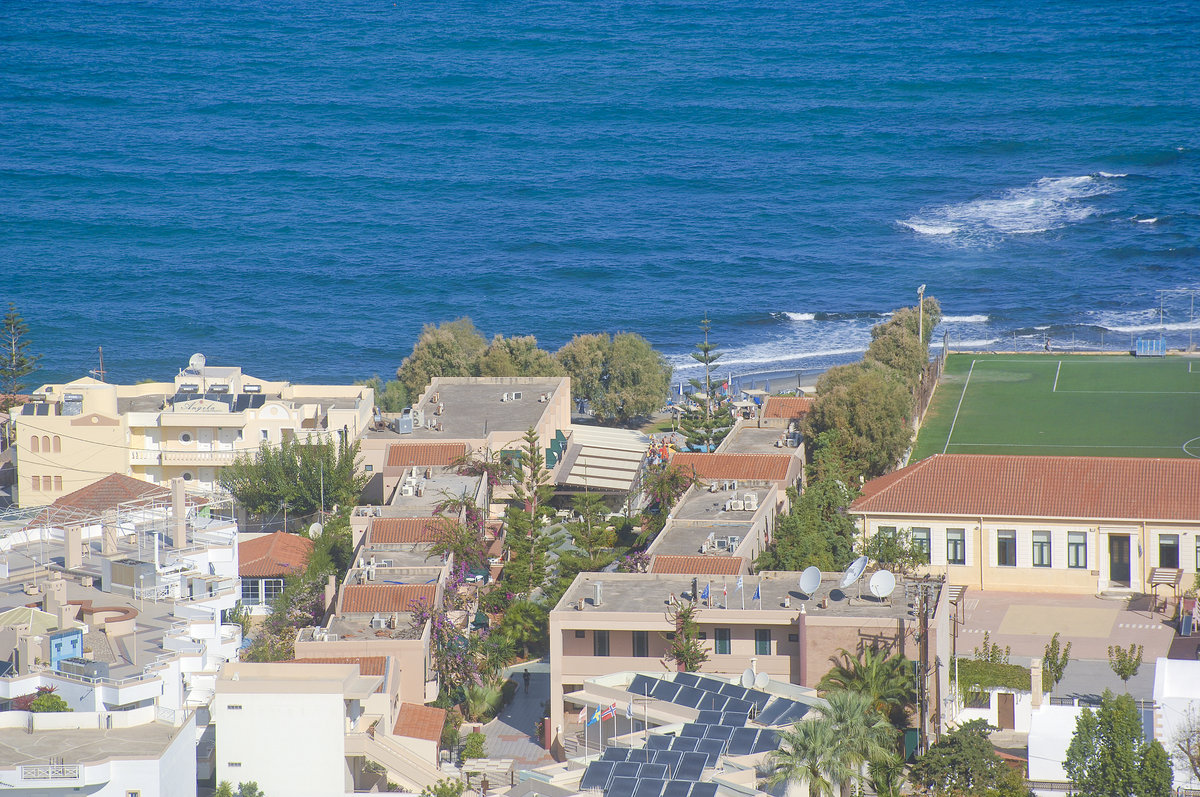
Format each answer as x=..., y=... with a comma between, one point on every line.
x=1124, y=488
x=698, y=565
x=406, y=455
x=386, y=598
x=100, y=496
x=787, y=407
x=401, y=530
x=367, y=665
x=420, y=722
x=275, y=554
x=752, y=467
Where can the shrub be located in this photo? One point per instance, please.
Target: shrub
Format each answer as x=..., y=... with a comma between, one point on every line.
x=475, y=746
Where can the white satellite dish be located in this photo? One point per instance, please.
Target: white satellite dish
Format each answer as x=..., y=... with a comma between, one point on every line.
x=883, y=583
x=854, y=571
x=761, y=680
x=748, y=678
x=315, y=530
x=196, y=362
x=810, y=580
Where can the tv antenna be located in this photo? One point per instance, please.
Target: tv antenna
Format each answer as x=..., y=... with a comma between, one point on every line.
x=99, y=372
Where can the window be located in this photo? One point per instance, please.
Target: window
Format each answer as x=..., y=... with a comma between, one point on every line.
x=721, y=641
x=368, y=468
x=35, y=482
x=46, y=444
x=264, y=434
x=185, y=438
x=1077, y=549
x=251, y=591
x=47, y=483
x=956, y=546
x=599, y=643
x=1041, y=549
x=920, y=541
x=888, y=531
x=793, y=637
x=1006, y=548
x=272, y=589
x=58, y=482
x=34, y=445
x=762, y=641
x=57, y=444
x=580, y=634
x=235, y=764
x=1168, y=550
x=234, y=707
x=133, y=793
x=641, y=644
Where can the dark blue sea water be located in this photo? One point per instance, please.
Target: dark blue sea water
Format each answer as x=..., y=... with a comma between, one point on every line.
x=297, y=187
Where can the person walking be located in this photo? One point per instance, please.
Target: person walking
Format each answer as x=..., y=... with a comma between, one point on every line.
x=526, y=677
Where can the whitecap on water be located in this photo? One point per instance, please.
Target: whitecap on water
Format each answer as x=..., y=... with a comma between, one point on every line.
x=964, y=319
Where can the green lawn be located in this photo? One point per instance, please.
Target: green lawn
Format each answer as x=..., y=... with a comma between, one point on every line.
x=1065, y=405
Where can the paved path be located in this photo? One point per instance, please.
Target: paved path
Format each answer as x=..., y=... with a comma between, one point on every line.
x=511, y=734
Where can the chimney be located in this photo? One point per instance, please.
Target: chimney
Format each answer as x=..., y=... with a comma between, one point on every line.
x=178, y=514
x=55, y=595
x=66, y=615
x=330, y=592
x=73, y=548
x=108, y=533
x=1035, y=678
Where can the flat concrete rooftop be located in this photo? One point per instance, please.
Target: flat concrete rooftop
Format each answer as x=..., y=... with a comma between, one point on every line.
x=688, y=540
x=752, y=440
x=703, y=505
x=21, y=748
x=471, y=411
x=444, y=483
x=651, y=592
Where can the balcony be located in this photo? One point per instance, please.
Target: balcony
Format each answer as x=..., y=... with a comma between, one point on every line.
x=143, y=458
x=194, y=458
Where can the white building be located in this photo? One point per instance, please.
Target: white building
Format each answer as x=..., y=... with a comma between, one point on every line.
x=1176, y=704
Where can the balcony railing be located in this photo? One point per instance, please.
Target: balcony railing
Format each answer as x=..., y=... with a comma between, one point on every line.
x=138, y=457
x=52, y=772
x=198, y=457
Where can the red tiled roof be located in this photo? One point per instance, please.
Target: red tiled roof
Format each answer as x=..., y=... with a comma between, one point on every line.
x=785, y=407
x=101, y=496
x=752, y=467
x=275, y=554
x=401, y=530
x=420, y=722
x=1125, y=488
x=386, y=598
x=698, y=565
x=405, y=455
x=367, y=665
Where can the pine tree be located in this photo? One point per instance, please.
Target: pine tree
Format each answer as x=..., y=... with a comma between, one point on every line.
x=707, y=426
x=15, y=361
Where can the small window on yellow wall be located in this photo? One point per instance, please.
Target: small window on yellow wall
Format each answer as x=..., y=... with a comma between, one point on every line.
x=35, y=482
x=58, y=482
x=57, y=444
x=35, y=445
x=47, y=483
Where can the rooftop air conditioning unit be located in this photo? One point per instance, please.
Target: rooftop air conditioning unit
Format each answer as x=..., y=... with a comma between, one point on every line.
x=712, y=488
x=415, y=472
x=407, y=490
x=734, y=542
x=737, y=505
x=434, y=399
x=722, y=543
x=251, y=388
x=517, y=396
x=378, y=622
x=751, y=502
x=506, y=397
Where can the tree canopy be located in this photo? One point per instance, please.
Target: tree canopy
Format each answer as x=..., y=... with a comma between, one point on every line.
x=1110, y=757
x=963, y=763
x=448, y=349
x=296, y=473
x=16, y=362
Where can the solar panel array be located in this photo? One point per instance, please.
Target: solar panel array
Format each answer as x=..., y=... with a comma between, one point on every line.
x=672, y=765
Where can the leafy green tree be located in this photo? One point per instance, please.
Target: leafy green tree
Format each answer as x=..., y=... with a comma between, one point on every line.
x=390, y=396
x=16, y=362
x=963, y=763
x=225, y=789
x=298, y=474
x=621, y=377
x=475, y=746
x=1109, y=756
x=871, y=404
x=525, y=625
x=684, y=646
x=664, y=484
x=1185, y=746
x=808, y=753
x=1055, y=659
x=895, y=551
x=47, y=702
x=516, y=356
x=250, y=790
x=592, y=533
x=449, y=349
x=446, y=787
x=887, y=680
x=1125, y=663
x=864, y=735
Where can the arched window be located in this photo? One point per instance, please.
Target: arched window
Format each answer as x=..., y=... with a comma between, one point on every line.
x=46, y=443
x=33, y=444
x=57, y=444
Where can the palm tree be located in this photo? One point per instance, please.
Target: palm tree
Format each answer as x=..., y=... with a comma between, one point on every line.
x=888, y=680
x=808, y=752
x=864, y=736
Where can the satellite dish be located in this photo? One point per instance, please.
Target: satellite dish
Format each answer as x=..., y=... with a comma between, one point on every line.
x=315, y=530
x=748, y=678
x=810, y=580
x=761, y=680
x=883, y=583
x=854, y=571
x=196, y=362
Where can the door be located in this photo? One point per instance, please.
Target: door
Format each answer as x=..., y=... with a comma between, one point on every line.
x=1006, y=711
x=204, y=436
x=1118, y=559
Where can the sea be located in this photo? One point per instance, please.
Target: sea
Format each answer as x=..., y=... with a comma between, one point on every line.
x=297, y=188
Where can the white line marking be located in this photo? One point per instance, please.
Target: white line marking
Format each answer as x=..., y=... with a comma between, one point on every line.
x=1056, y=445
x=1056, y=373
x=959, y=407
x=1137, y=392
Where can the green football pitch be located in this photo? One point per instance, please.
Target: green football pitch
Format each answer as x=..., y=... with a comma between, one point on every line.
x=1082, y=405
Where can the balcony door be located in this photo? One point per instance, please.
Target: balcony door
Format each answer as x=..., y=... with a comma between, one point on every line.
x=1118, y=559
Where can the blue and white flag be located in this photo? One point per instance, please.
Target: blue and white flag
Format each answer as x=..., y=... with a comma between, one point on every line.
x=595, y=717
x=704, y=595
x=757, y=594
x=739, y=586
x=629, y=710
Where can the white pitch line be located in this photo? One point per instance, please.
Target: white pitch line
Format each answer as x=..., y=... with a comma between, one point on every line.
x=1056, y=373
x=1137, y=392
x=959, y=407
x=1055, y=445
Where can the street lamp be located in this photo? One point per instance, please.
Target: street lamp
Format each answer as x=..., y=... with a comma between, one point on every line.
x=921, y=313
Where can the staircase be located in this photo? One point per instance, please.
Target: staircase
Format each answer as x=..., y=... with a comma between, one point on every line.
x=403, y=766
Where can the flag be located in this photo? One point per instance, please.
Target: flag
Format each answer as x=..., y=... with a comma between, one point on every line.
x=704, y=595
x=583, y=714
x=629, y=710
x=757, y=594
x=739, y=585
x=595, y=717
x=609, y=712
x=724, y=589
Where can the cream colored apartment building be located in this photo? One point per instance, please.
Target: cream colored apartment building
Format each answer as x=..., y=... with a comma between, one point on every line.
x=75, y=434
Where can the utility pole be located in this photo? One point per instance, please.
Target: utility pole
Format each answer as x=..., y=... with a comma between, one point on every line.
x=921, y=314
x=99, y=372
x=923, y=669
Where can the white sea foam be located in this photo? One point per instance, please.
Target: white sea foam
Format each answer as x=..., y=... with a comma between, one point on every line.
x=973, y=344
x=1150, y=220
x=801, y=316
x=1046, y=204
x=964, y=319
x=1110, y=175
